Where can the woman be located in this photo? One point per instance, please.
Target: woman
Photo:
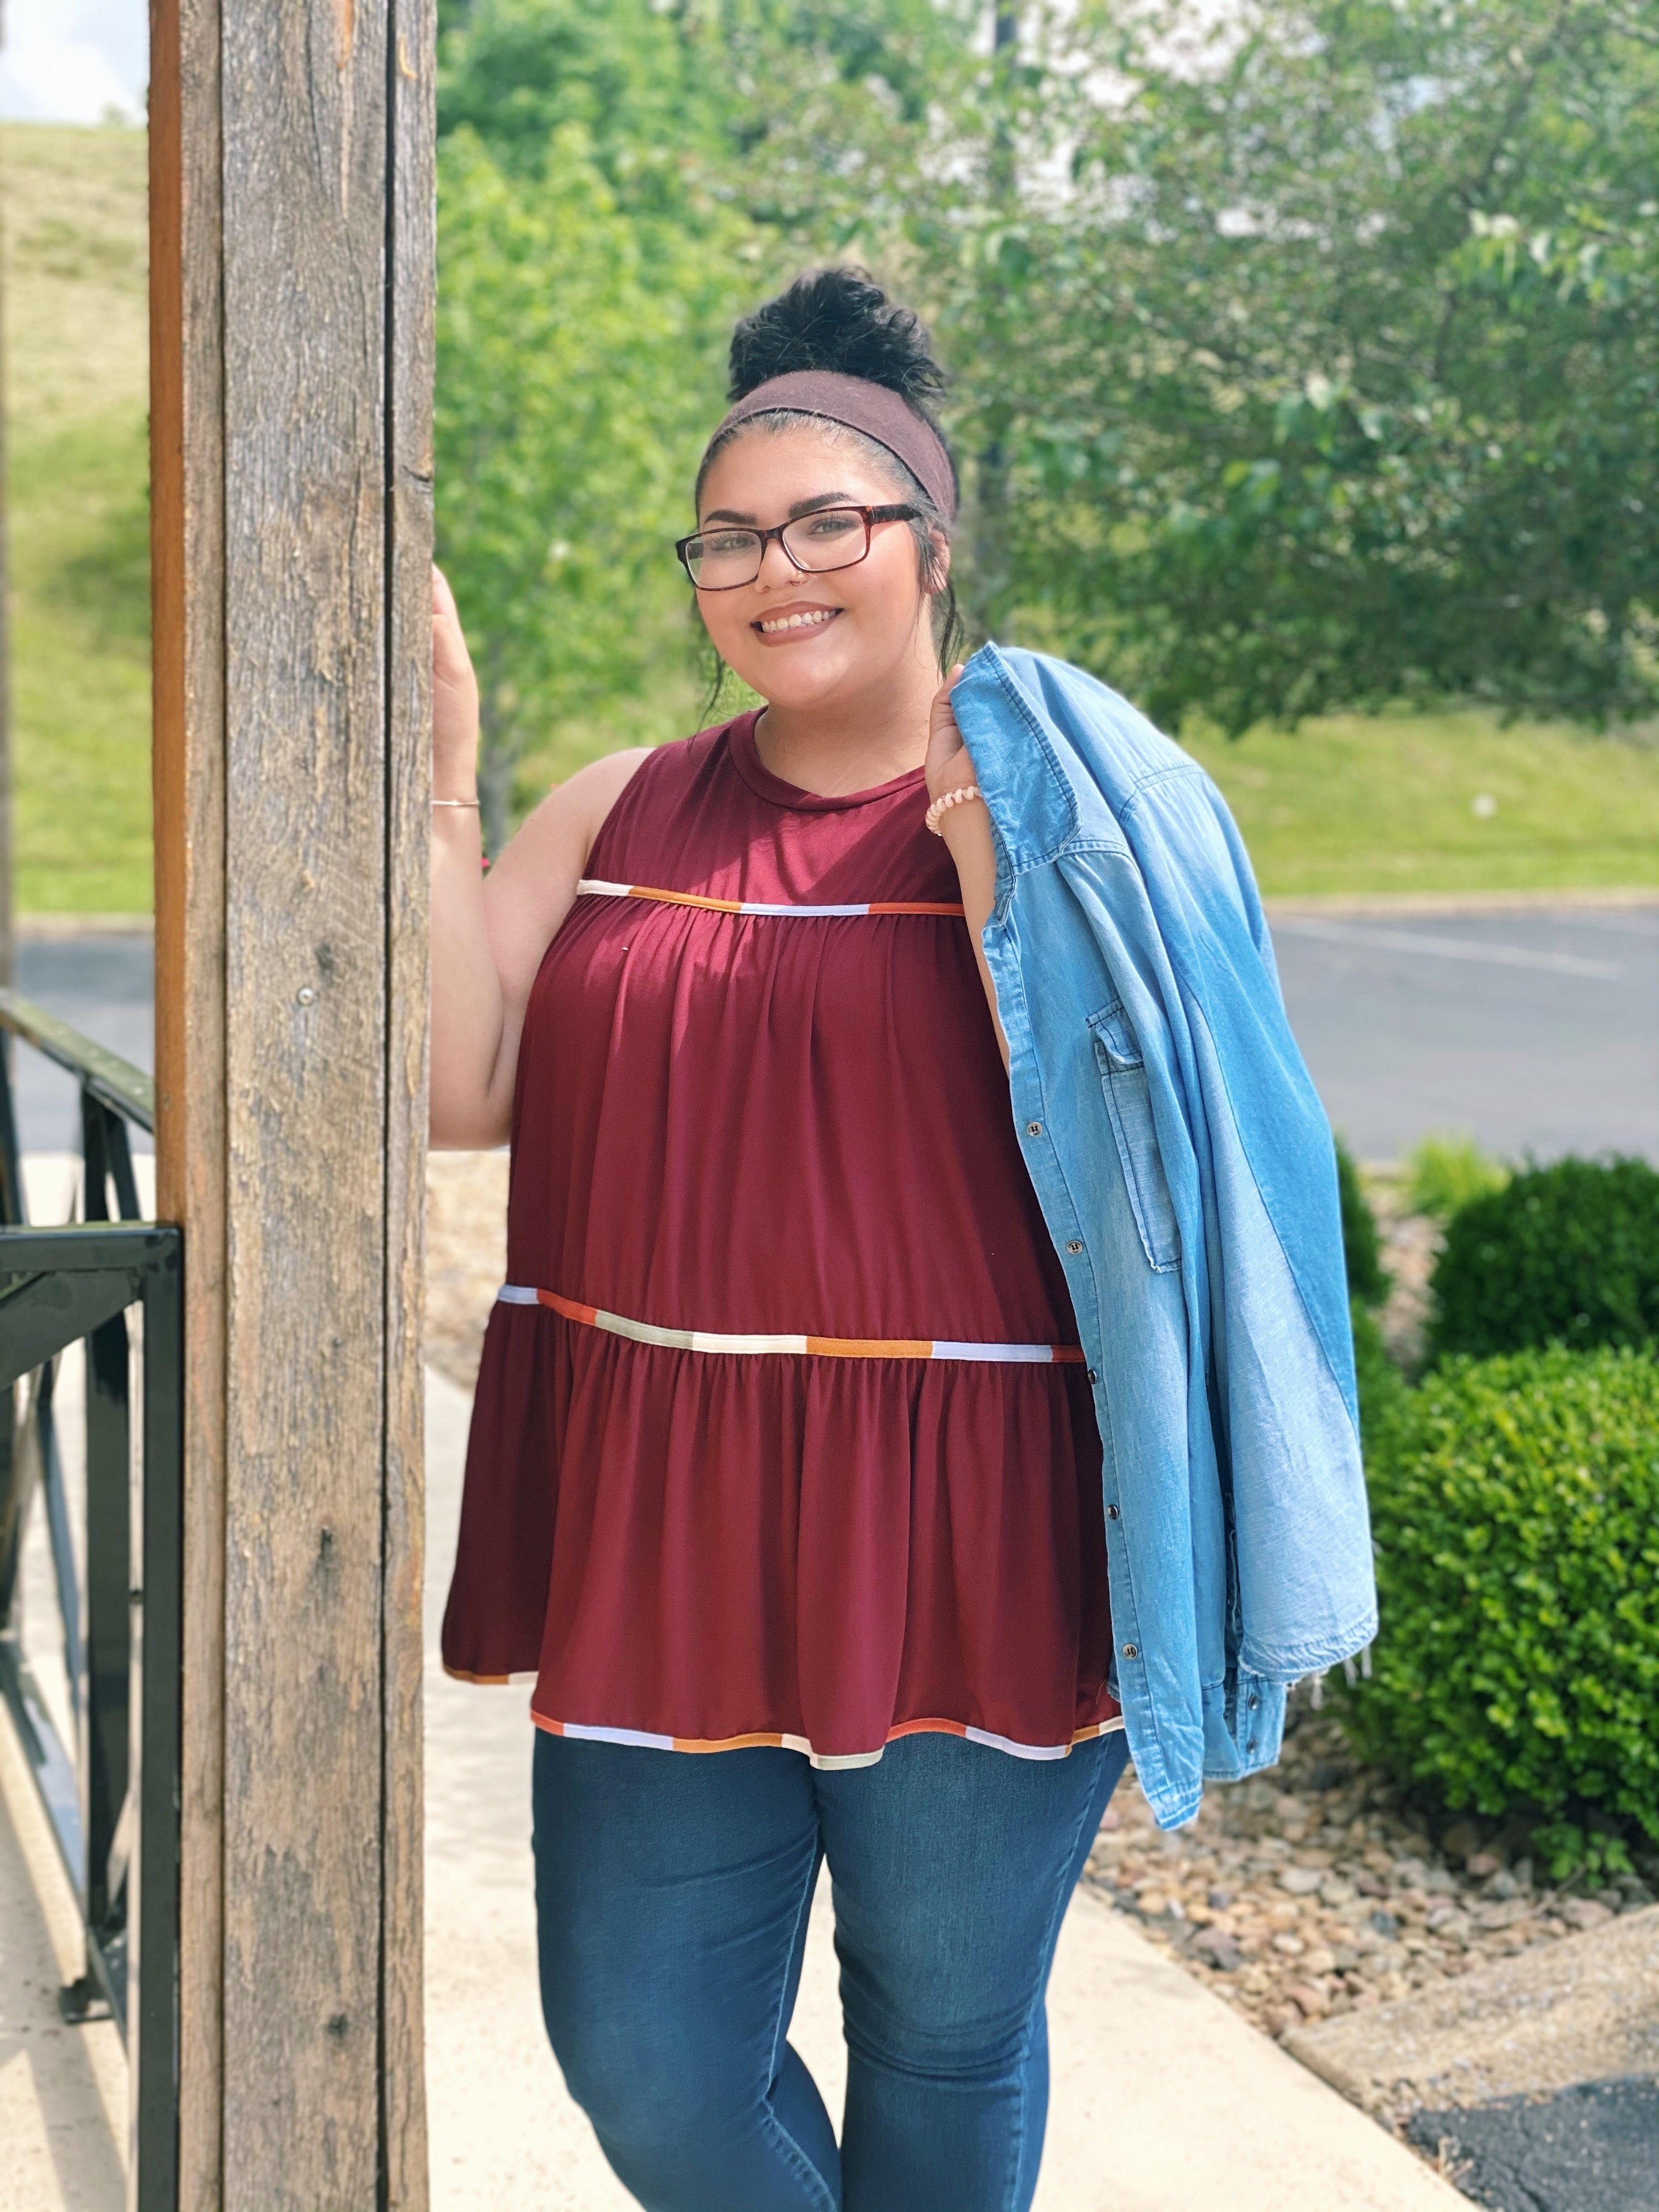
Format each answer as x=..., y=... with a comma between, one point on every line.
x=785, y=1478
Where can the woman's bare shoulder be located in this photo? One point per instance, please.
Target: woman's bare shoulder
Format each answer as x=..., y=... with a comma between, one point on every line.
x=577, y=810
x=592, y=791
x=565, y=823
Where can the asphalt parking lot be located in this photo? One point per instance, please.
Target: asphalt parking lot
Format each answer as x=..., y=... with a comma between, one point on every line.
x=1532, y=1032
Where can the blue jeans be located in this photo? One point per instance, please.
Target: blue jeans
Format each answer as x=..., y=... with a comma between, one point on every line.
x=671, y=1895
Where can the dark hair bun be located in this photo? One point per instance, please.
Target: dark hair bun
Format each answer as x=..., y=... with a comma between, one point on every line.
x=840, y=319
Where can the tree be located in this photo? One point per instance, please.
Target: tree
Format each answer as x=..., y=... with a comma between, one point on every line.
x=1338, y=377
x=579, y=364
x=1309, y=347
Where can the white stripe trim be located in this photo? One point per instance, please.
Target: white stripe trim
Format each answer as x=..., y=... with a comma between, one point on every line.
x=646, y=1743
x=516, y=1294
x=1016, y=1750
x=1033, y=1355
x=692, y=1340
x=593, y=887
x=755, y=906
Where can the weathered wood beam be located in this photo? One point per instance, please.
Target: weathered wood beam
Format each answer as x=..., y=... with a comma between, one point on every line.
x=292, y=306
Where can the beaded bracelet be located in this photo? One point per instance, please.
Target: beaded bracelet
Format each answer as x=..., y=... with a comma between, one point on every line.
x=947, y=799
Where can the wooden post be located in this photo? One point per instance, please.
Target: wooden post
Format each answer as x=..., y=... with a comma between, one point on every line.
x=292, y=290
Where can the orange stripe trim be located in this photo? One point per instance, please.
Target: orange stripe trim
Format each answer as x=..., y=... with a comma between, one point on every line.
x=685, y=898
x=914, y=906
x=762, y=1740
x=872, y=1348
x=569, y=1307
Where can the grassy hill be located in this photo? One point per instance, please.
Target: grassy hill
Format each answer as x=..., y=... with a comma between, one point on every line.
x=1438, y=802
x=1420, y=802
x=76, y=377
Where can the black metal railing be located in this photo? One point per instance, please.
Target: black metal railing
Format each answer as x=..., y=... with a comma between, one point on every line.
x=111, y=1792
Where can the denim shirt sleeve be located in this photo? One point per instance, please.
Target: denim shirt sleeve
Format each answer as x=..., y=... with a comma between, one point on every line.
x=1185, y=1171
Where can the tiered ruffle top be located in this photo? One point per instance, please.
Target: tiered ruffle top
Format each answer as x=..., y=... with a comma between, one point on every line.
x=781, y=1434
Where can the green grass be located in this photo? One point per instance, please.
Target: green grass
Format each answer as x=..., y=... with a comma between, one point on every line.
x=77, y=318
x=80, y=669
x=1361, y=802
x=1347, y=805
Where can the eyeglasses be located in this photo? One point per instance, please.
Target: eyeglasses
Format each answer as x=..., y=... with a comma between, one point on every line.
x=832, y=537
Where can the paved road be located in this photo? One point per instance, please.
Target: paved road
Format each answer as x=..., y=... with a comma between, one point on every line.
x=1595, y=2149
x=1532, y=1032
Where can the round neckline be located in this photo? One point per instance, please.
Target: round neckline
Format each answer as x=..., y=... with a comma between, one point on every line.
x=744, y=754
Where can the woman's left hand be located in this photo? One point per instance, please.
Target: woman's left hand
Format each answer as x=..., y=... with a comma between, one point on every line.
x=949, y=763
x=967, y=830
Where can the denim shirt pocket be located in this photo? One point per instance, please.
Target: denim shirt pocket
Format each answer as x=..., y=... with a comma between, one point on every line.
x=1123, y=1083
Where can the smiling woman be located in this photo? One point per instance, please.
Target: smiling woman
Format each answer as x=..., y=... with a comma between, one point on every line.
x=784, y=1451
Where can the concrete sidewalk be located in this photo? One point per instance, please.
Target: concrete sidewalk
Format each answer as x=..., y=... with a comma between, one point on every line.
x=63, y=2090
x=1163, y=2100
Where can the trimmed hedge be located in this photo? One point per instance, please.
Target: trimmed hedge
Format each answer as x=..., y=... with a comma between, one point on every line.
x=1566, y=1254
x=1380, y=1383
x=1516, y=1507
x=1362, y=1248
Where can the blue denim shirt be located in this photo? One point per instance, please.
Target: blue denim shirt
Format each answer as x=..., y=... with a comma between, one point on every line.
x=1185, y=1168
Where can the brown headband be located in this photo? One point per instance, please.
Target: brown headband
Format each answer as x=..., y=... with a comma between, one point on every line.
x=858, y=405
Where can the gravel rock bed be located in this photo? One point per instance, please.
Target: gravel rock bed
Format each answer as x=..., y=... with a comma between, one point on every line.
x=1314, y=1890
x=1410, y=1246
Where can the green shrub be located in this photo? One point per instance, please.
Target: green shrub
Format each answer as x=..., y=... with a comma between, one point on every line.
x=1514, y=1504
x=1445, y=1174
x=1568, y=1254
x=1368, y=1281
x=1567, y=1849
x=1381, y=1384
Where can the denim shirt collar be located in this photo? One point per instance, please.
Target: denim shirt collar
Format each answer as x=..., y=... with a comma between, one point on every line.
x=1040, y=806
x=1030, y=801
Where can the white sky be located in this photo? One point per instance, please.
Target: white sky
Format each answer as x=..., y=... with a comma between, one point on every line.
x=72, y=61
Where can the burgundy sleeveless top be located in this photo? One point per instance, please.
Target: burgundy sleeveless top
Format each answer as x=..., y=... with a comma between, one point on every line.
x=781, y=1434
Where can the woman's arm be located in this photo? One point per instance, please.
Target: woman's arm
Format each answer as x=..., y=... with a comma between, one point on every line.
x=967, y=832
x=488, y=933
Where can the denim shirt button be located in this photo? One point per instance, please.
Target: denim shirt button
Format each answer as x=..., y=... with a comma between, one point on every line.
x=1073, y=1244
x=1250, y=1746
x=1094, y=1375
x=1034, y=1128
x=1254, y=1701
x=1111, y=1512
x=1132, y=1651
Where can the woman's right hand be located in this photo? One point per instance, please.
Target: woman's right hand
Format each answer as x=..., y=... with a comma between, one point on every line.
x=489, y=933
x=454, y=700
